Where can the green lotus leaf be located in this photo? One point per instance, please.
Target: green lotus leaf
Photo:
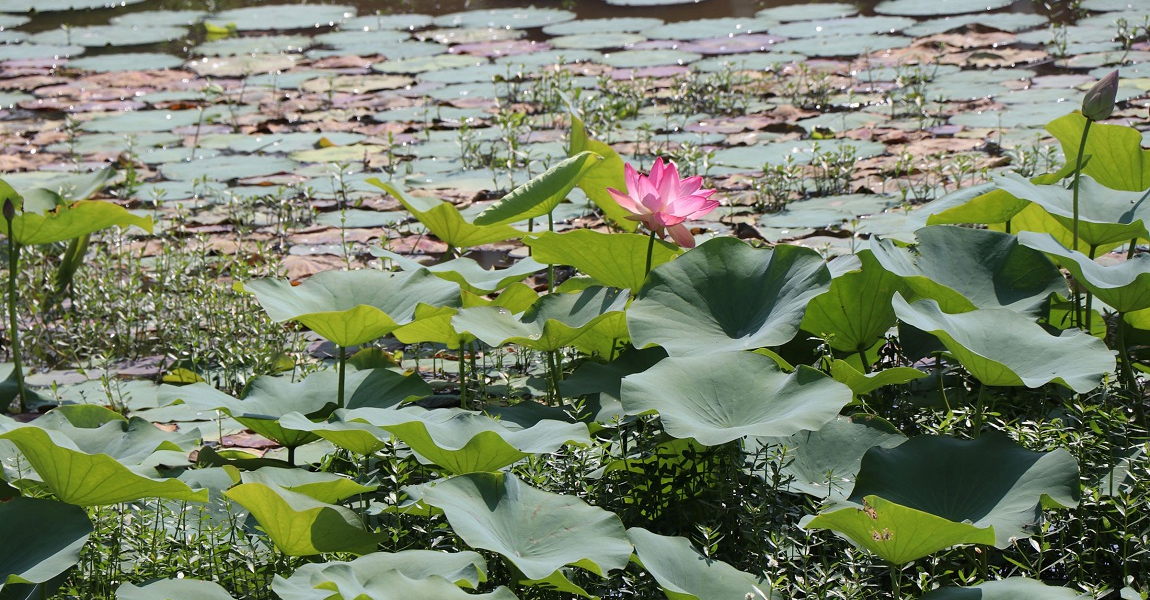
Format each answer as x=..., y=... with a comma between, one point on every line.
x=541, y=194
x=865, y=383
x=352, y=307
x=461, y=441
x=300, y=525
x=725, y=295
x=685, y=574
x=602, y=175
x=1105, y=217
x=325, y=487
x=600, y=383
x=824, y=463
x=445, y=221
x=977, y=204
x=963, y=269
x=614, y=259
x=261, y=416
x=91, y=479
x=1125, y=286
x=438, y=328
x=605, y=337
x=348, y=579
x=340, y=581
x=1001, y=347
x=722, y=397
x=173, y=589
x=538, y=532
x=987, y=481
x=40, y=222
x=551, y=323
x=1117, y=159
x=130, y=442
x=357, y=437
x=899, y=534
x=470, y=276
x=1011, y=588
x=45, y=538
x=856, y=312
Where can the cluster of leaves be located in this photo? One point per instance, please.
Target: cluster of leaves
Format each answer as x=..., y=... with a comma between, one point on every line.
x=709, y=415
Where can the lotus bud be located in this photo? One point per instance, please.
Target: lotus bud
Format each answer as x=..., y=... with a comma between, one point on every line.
x=9, y=209
x=1099, y=101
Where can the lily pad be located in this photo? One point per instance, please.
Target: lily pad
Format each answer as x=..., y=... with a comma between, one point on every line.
x=281, y=17
x=710, y=28
x=606, y=25
x=108, y=35
x=915, y=8
x=264, y=44
x=725, y=295
x=722, y=397
x=126, y=62
x=635, y=59
x=513, y=18
x=1002, y=347
x=808, y=12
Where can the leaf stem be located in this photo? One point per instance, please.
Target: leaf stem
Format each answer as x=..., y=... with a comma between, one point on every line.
x=342, y=370
x=650, y=252
x=13, y=325
x=1074, y=224
x=462, y=377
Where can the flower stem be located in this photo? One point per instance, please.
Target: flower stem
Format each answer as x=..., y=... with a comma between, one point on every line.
x=1074, y=191
x=650, y=252
x=342, y=370
x=13, y=325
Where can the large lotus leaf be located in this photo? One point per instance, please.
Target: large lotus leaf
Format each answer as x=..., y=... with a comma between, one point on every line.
x=348, y=579
x=390, y=584
x=325, y=487
x=461, y=441
x=1125, y=286
x=46, y=217
x=605, y=337
x=1011, y=588
x=541, y=194
x=981, y=203
x=353, y=307
x=685, y=574
x=379, y=388
x=990, y=480
x=963, y=269
x=470, y=275
x=722, y=397
x=446, y=222
x=1105, y=216
x=1001, y=347
x=607, y=173
x=550, y=324
x=856, y=312
x=864, y=383
x=300, y=525
x=91, y=479
x=173, y=589
x=539, y=532
x=725, y=295
x=1117, y=159
x=899, y=534
x=601, y=383
x=825, y=463
x=128, y=441
x=44, y=539
x=357, y=437
x=438, y=328
x=614, y=259
x=260, y=415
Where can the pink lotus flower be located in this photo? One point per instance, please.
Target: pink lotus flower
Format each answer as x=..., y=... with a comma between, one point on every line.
x=663, y=201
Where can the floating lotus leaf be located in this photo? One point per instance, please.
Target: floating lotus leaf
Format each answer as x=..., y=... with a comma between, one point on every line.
x=1001, y=347
x=988, y=481
x=17, y=6
x=914, y=8
x=461, y=441
x=91, y=479
x=135, y=61
x=470, y=275
x=513, y=18
x=864, y=383
x=856, y=312
x=602, y=175
x=638, y=59
x=1117, y=160
x=1011, y=588
x=899, y=534
x=109, y=35
x=1125, y=286
x=725, y=295
x=325, y=487
x=963, y=269
x=444, y=220
x=353, y=307
x=264, y=44
x=538, y=532
x=300, y=525
x=281, y=17
x=614, y=259
x=551, y=323
x=173, y=589
x=724, y=396
x=541, y=194
x=228, y=168
x=684, y=573
x=1106, y=216
x=824, y=463
x=698, y=29
x=361, y=576
x=45, y=538
x=807, y=12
